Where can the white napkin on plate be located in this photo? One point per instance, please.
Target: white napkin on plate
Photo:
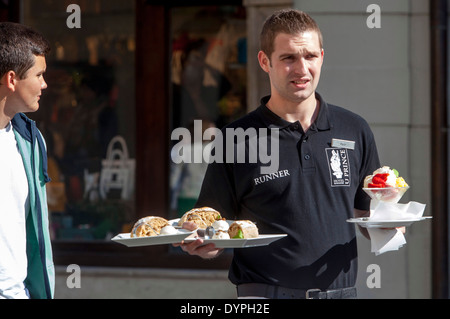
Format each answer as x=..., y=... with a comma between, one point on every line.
x=383, y=240
x=393, y=211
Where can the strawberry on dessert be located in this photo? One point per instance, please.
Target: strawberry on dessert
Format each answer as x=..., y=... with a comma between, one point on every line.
x=385, y=184
x=384, y=177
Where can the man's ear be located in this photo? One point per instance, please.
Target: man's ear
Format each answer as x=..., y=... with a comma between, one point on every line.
x=9, y=80
x=264, y=61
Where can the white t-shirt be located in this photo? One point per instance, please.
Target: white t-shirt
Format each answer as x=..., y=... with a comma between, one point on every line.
x=14, y=203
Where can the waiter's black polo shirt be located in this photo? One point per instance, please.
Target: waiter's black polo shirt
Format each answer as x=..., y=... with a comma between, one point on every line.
x=309, y=197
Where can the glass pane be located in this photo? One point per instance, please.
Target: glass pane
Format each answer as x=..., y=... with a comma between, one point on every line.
x=90, y=100
x=208, y=84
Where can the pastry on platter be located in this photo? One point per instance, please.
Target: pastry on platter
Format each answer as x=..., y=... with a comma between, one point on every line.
x=149, y=226
x=243, y=229
x=203, y=217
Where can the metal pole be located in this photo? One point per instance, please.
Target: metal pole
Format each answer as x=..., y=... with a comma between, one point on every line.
x=439, y=146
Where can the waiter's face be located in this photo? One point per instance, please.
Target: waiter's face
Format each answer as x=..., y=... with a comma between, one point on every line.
x=295, y=65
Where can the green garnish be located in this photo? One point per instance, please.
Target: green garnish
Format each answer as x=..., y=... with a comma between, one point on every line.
x=395, y=172
x=239, y=235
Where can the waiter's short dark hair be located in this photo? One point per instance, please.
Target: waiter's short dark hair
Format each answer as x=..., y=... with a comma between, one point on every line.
x=289, y=21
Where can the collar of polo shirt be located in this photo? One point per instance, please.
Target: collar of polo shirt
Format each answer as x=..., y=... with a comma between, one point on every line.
x=322, y=123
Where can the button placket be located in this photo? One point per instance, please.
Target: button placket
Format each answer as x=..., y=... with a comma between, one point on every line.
x=305, y=155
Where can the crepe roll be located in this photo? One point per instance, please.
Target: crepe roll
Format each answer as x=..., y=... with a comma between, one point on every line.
x=203, y=217
x=149, y=226
x=243, y=229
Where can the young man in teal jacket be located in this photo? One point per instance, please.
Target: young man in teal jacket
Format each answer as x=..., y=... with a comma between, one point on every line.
x=26, y=262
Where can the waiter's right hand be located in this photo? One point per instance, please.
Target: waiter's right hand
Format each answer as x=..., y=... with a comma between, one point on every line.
x=197, y=247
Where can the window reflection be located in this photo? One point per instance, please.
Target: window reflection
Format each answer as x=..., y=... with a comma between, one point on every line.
x=208, y=83
x=90, y=99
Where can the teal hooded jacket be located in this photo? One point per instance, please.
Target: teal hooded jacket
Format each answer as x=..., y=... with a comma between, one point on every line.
x=40, y=279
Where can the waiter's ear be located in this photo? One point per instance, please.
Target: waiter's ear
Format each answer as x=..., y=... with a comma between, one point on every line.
x=264, y=61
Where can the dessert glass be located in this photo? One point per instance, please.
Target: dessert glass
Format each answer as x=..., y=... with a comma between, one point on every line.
x=387, y=194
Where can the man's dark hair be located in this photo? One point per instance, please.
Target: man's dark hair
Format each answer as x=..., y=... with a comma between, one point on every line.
x=289, y=21
x=19, y=45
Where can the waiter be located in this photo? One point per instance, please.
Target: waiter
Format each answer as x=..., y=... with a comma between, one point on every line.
x=325, y=152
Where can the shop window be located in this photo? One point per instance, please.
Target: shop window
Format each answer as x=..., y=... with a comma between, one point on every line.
x=208, y=85
x=87, y=116
x=122, y=77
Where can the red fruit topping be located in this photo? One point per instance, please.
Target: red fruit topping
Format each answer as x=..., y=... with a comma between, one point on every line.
x=379, y=181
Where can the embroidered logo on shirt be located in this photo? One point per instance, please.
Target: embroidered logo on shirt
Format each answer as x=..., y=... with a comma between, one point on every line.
x=339, y=166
